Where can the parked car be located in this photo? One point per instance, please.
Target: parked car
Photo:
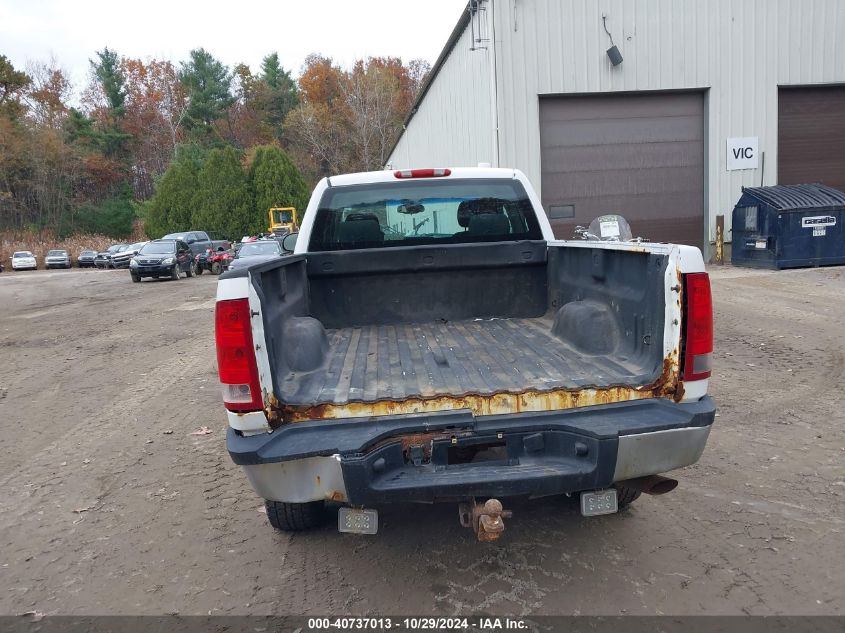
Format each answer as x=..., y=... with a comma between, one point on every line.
x=162, y=258
x=198, y=241
x=253, y=252
x=103, y=259
x=121, y=258
x=477, y=359
x=86, y=259
x=57, y=258
x=24, y=260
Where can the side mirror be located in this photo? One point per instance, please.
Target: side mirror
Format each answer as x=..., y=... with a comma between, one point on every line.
x=289, y=242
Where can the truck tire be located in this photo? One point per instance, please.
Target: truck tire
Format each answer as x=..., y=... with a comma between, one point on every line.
x=216, y=268
x=626, y=496
x=176, y=273
x=198, y=271
x=190, y=271
x=293, y=517
x=135, y=278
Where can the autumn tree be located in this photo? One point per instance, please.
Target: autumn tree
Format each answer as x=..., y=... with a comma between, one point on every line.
x=155, y=108
x=13, y=141
x=48, y=94
x=142, y=128
x=208, y=85
x=318, y=130
x=245, y=124
x=348, y=121
x=39, y=172
x=375, y=94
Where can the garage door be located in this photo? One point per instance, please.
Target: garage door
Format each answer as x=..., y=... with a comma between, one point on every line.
x=811, y=136
x=639, y=155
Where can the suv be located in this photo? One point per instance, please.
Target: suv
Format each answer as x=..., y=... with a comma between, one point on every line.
x=58, y=258
x=162, y=258
x=86, y=259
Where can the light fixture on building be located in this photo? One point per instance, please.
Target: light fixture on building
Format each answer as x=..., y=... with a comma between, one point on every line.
x=614, y=55
x=613, y=52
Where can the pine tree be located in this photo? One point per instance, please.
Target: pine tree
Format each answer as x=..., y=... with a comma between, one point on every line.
x=112, y=81
x=275, y=181
x=112, y=84
x=280, y=96
x=224, y=203
x=172, y=206
x=12, y=85
x=209, y=86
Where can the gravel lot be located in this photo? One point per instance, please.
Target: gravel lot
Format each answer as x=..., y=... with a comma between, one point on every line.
x=109, y=504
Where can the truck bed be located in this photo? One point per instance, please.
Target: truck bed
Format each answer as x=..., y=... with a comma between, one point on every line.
x=493, y=328
x=478, y=356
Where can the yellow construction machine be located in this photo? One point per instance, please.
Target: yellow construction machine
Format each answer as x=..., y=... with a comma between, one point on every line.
x=283, y=220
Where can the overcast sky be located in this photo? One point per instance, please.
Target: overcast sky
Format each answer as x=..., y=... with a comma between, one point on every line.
x=233, y=31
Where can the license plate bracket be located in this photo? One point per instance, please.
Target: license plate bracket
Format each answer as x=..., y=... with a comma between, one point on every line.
x=357, y=521
x=598, y=502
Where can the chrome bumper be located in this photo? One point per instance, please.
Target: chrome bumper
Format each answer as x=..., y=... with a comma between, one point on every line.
x=321, y=478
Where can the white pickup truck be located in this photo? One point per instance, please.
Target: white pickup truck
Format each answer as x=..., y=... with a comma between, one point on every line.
x=430, y=340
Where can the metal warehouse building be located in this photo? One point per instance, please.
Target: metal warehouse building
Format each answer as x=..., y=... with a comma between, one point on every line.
x=699, y=98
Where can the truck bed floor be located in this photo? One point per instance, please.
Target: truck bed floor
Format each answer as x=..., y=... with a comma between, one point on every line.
x=395, y=362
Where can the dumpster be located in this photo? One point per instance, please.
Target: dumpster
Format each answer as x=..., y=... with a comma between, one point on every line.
x=788, y=226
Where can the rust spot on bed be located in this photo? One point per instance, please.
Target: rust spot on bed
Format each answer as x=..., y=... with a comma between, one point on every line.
x=667, y=385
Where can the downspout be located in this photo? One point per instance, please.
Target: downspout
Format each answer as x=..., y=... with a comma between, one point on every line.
x=494, y=89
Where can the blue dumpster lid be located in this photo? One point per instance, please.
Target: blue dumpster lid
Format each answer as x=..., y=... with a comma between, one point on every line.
x=792, y=197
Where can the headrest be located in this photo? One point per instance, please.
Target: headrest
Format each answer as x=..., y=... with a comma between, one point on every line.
x=489, y=224
x=360, y=227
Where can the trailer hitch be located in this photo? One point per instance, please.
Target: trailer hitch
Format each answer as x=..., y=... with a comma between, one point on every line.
x=486, y=519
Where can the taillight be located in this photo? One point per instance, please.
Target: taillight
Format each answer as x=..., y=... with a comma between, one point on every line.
x=235, y=356
x=698, y=333
x=422, y=173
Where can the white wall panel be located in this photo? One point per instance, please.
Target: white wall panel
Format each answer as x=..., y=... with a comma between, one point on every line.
x=737, y=51
x=453, y=125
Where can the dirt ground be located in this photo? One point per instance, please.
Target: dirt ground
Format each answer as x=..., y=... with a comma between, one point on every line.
x=109, y=504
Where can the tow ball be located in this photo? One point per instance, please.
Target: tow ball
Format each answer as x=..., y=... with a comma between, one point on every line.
x=486, y=519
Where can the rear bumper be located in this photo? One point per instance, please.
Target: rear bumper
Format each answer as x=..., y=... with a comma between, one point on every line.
x=152, y=271
x=414, y=457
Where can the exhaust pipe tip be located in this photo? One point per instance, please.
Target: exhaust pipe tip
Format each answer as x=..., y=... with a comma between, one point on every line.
x=651, y=485
x=663, y=486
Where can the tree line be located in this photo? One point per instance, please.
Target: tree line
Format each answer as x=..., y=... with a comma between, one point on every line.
x=194, y=144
